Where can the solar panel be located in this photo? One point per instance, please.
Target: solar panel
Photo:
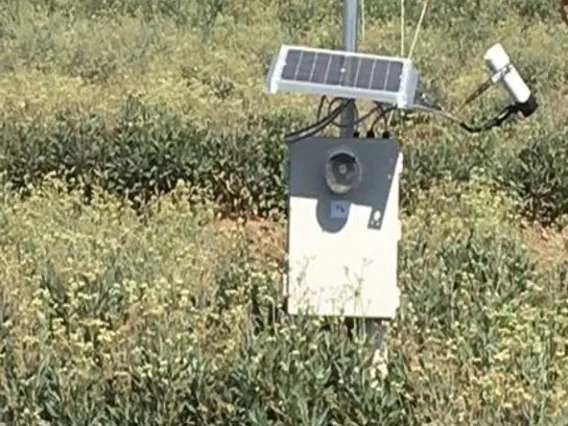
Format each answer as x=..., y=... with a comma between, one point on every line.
x=343, y=74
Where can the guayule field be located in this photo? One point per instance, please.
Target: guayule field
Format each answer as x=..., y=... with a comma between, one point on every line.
x=142, y=215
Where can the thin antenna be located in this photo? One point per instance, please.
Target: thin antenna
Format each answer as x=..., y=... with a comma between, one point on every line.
x=362, y=13
x=402, y=25
x=418, y=28
x=420, y=21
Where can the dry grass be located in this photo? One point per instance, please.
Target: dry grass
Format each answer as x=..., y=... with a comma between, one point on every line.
x=548, y=246
x=142, y=319
x=480, y=333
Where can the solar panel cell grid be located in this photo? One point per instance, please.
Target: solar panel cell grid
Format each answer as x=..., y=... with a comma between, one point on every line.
x=321, y=65
x=350, y=66
x=393, y=77
x=333, y=72
x=364, y=73
x=305, y=66
x=344, y=70
x=292, y=60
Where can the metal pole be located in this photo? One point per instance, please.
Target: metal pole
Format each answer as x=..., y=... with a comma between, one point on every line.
x=350, y=45
x=374, y=329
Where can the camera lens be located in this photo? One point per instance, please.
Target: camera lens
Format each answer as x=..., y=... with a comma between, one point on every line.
x=342, y=172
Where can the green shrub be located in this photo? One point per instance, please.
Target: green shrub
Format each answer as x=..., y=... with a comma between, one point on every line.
x=112, y=314
x=429, y=159
x=65, y=105
x=539, y=176
x=452, y=14
x=466, y=282
x=148, y=150
x=112, y=318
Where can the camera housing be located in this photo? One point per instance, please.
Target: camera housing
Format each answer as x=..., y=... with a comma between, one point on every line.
x=496, y=59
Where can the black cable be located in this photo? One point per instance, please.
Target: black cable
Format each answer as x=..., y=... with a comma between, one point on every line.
x=382, y=114
x=314, y=125
x=320, y=107
x=494, y=122
x=334, y=100
x=356, y=118
x=314, y=128
x=317, y=126
x=359, y=120
x=368, y=114
x=318, y=123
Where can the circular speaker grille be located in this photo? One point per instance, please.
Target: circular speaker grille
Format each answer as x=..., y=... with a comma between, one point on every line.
x=342, y=172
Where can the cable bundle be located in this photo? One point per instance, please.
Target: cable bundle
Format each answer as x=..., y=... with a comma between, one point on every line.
x=333, y=114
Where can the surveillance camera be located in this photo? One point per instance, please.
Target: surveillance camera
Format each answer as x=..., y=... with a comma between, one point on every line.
x=497, y=60
x=342, y=171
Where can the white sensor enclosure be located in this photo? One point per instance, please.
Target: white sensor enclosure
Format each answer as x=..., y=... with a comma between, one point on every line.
x=497, y=59
x=343, y=248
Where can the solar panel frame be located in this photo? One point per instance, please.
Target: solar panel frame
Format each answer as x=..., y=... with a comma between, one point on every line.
x=291, y=72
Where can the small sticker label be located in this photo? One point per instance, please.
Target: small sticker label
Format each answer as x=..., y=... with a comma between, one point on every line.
x=340, y=209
